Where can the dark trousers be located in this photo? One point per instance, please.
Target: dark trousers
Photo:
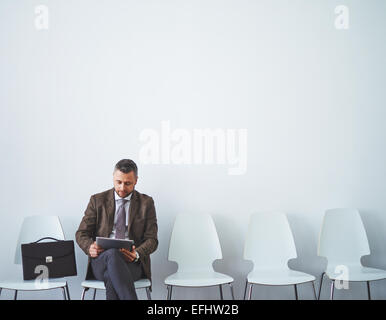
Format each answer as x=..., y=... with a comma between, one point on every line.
x=117, y=274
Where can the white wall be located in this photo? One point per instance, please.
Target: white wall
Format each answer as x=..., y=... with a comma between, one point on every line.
x=75, y=98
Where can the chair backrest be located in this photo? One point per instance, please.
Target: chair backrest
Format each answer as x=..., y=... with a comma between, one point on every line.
x=37, y=227
x=342, y=238
x=269, y=242
x=194, y=243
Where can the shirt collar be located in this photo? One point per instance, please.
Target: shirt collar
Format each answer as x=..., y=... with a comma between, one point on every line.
x=117, y=197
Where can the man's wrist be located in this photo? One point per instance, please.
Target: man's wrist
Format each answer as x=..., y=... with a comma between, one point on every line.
x=137, y=256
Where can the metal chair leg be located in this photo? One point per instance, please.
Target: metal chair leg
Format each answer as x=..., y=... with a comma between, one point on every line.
x=148, y=294
x=170, y=288
x=250, y=291
x=94, y=294
x=313, y=289
x=321, y=283
x=245, y=291
x=64, y=293
x=68, y=292
x=368, y=290
x=332, y=290
x=83, y=293
x=221, y=295
x=233, y=294
x=296, y=292
x=15, y=296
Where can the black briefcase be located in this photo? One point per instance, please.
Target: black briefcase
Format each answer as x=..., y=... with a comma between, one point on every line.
x=55, y=259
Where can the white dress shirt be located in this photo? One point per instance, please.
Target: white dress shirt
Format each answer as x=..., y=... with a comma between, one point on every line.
x=117, y=205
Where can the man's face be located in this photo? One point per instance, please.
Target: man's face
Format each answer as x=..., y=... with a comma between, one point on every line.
x=124, y=183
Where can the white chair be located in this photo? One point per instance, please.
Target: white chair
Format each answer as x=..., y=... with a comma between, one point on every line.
x=343, y=241
x=270, y=245
x=33, y=229
x=99, y=285
x=194, y=245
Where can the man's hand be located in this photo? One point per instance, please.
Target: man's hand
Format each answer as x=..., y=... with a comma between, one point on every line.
x=129, y=255
x=95, y=250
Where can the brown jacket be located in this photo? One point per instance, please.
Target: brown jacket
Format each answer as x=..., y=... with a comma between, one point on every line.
x=98, y=221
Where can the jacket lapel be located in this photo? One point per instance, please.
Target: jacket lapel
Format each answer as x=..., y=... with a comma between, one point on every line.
x=110, y=210
x=132, y=209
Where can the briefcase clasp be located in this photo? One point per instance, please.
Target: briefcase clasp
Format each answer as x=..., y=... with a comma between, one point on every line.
x=48, y=259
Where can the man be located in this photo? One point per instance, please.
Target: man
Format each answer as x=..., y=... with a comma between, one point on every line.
x=121, y=213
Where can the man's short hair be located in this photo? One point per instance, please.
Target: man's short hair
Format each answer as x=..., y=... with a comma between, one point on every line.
x=126, y=166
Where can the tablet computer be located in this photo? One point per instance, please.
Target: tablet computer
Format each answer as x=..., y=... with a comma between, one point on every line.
x=109, y=243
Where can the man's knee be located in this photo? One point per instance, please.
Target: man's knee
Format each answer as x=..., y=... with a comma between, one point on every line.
x=113, y=255
x=111, y=252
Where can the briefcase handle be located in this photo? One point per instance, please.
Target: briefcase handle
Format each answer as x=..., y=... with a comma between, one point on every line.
x=47, y=238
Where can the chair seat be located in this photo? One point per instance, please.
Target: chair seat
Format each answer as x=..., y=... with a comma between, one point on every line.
x=197, y=279
x=358, y=273
x=31, y=285
x=278, y=277
x=99, y=285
